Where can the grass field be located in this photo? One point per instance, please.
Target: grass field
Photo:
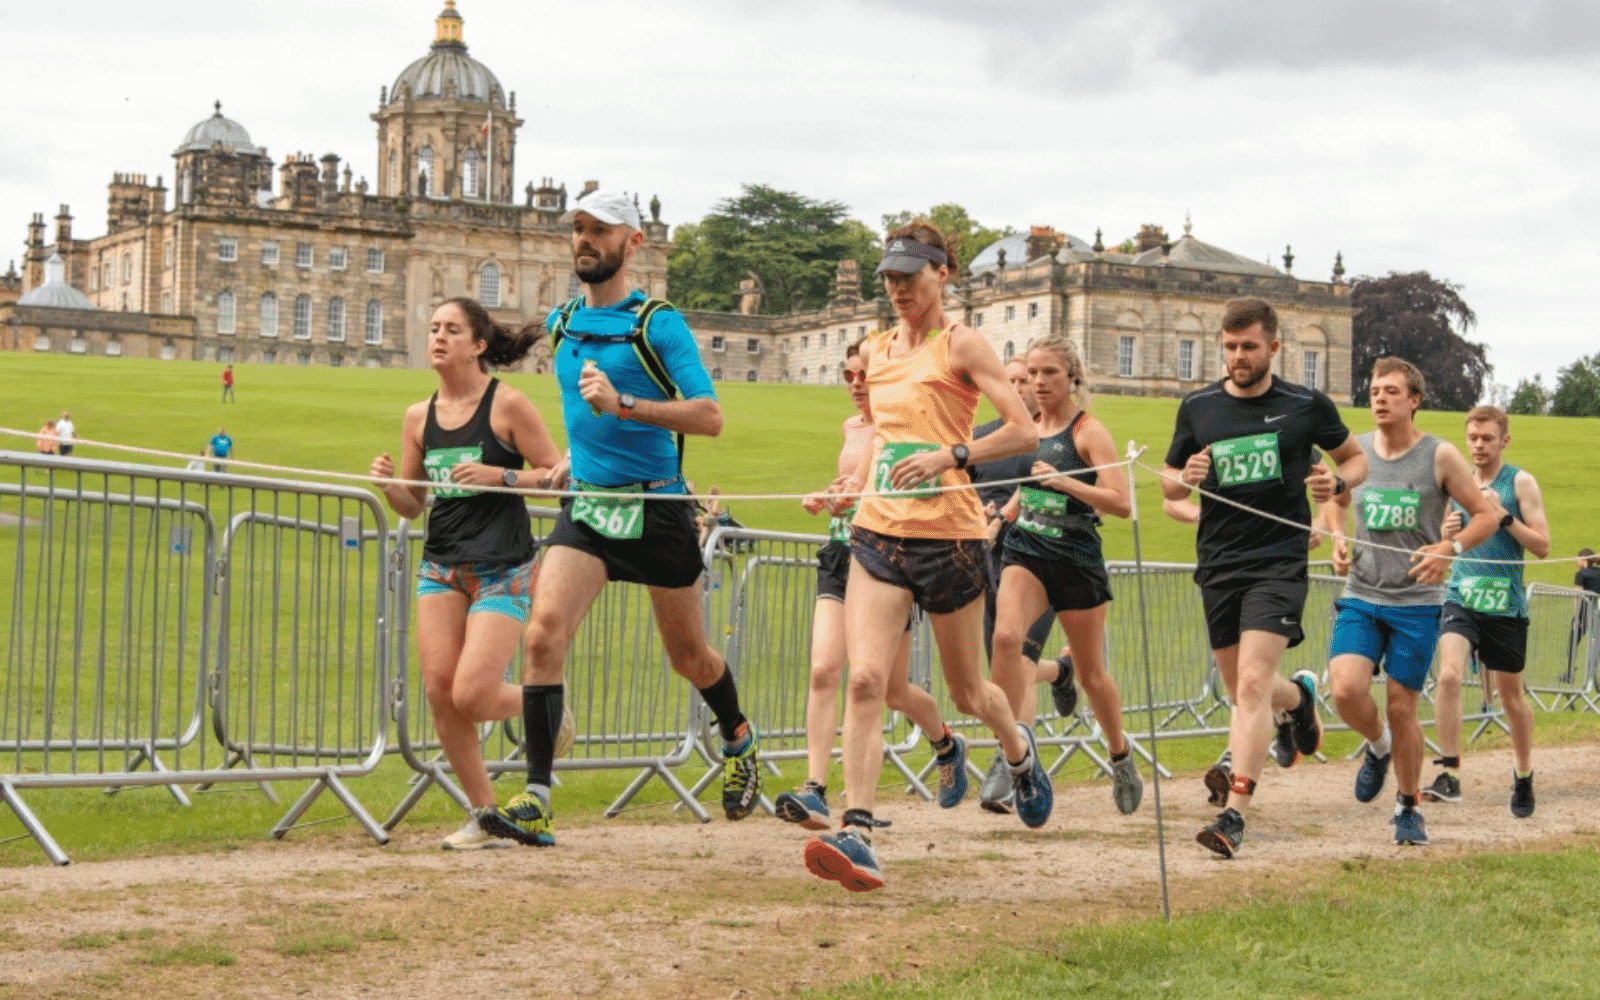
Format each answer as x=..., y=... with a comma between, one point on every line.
x=776, y=438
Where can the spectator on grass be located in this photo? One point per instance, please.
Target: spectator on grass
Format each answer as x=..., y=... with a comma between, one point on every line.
x=1585, y=609
x=66, y=432
x=221, y=449
x=198, y=463
x=227, y=384
x=46, y=441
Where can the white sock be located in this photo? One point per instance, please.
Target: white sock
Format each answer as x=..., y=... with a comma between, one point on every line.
x=1382, y=745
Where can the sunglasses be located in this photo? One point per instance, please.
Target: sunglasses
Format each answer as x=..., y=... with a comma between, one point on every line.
x=852, y=377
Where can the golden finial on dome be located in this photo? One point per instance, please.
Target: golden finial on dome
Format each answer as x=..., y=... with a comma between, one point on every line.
x=448, y=25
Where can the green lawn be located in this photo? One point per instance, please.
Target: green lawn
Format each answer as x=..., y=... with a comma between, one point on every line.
x=776, y=438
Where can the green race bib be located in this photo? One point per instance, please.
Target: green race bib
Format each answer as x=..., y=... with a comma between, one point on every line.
x=1489, y=595
x=893, y=452
x=1039, y=507
x=1243, y=460
x=437, y=463
x=1390, y=510
x=617, y=514
x=839, y=526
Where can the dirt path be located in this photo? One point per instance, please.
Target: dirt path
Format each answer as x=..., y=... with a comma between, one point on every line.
x=664, y=907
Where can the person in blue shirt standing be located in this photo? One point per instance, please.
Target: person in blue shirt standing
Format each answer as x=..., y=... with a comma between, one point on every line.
x=221, y=448
x=632, y=386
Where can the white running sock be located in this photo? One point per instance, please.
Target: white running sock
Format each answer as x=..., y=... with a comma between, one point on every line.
x=1383, y=744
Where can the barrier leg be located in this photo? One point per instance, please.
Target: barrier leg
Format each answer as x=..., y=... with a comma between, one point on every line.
x=148, y=754
x=31, y=823
x=913, y=782
x=419, y=787
x=687, y=800
x=234, y=758
x=329, y=780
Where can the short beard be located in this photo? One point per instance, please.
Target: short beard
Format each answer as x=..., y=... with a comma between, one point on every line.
x=601, y=271
x=1255, y=377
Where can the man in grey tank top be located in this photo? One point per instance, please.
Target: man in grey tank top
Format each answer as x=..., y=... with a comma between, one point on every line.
x=1389, y=614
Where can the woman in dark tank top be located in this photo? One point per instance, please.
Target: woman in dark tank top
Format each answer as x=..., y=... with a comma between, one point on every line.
x=477, y=568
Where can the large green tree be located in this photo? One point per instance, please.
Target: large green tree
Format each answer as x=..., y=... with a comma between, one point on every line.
x=968, y=234
x=1424, y=320
x=1530, y=397
x=1577, y=392
x=790, y=243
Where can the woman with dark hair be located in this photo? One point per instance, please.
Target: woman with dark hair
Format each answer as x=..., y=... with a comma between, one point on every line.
x=913, y=544
x=477, y=566
x=808, y=804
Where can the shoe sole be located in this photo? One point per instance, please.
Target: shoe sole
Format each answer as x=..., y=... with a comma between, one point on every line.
x=1214, y=841
x=1218, y=783
x=1412, y=843
x=1135, y=792
x=962, y=784
x=1072, y=686
x=793, y=812
x=1047, y=790
x=1001, y=807
x=828, y=862
x=1521, y=815
x=510, y=831
x=1432, y=796
x=482, y=845
x=1316, y=717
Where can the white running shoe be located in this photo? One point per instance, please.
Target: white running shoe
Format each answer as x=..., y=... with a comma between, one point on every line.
x=471, y=837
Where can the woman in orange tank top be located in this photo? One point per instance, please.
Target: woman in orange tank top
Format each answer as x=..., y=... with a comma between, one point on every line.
x=912, y=545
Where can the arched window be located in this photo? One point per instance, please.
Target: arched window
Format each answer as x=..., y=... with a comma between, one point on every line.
x=335, y=320
x=225, y=312
x=1011, y=351
x=302, y=317
x=469, y=175
x=374, y=321
x=269, y=314
x=489, y=285
x=804, y=374
x=716, y=374
x=750, y=376
x=425, y=171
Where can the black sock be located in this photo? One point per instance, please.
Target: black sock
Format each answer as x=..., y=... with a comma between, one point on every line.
x=1119, y=756
x=722, y=698
x=943, y=744
x=541, y=720
x=858, y=817
x=1448, y=763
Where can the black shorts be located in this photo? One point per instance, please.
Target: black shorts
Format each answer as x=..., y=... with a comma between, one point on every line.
x=666, y=553
x=833, y=570
x=66, y=449
x=1068, y=587
x=1500, y=641
x=1259, y=606
x=943, y=575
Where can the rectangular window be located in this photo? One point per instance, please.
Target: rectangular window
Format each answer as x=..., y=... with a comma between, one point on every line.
x=1310, y=363
x=861, y=331
x=76, y=345
x=750, y=376
x=269, y=253
x=977, y=320
x=225, y=355
x=336, y=259
x=227, y=248
x=335, y=360
x=805, y=343
x=1033, y=310
x=375, y=261
x=166, y=303
x=94, y=278
x=127, y=268
x=374, y=321
x=105, y=272
x=302, y=255
x=336, y=320
x=302, y=317
x=1186, y=360
x=718, y=344
x=1125, y=357
x=113, y=348
x=303, y=358
x=171, y=239
x=1011, y=313
x=269, y=315
x=822, y=340
x=168, y=352
x=269, y=357
x=41, y=341
x=752, y=346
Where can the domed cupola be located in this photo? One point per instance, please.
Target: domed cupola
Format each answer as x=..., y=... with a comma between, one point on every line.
x=55, y=293
x=447, y=72
x=217, y=128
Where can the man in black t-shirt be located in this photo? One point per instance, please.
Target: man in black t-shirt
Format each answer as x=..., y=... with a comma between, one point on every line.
x=1586, y=609
x=1249, y=438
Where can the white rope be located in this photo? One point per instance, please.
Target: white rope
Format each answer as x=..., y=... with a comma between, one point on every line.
x=428, y=484
x=1352, y=539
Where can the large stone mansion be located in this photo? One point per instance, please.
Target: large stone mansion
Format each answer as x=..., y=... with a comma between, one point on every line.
x=312, y=266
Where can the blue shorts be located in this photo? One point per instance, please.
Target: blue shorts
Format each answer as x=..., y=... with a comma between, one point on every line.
x=1401, y=640
x=501, y=590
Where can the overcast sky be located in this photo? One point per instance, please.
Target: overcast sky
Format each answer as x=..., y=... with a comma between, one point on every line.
x=1450, y=136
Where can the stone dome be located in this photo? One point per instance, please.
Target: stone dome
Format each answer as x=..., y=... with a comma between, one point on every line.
x=447, y=70
x=217, y=129
x=1016, y=248
x=55, y=293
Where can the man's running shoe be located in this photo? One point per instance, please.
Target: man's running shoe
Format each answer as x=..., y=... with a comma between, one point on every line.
x=1522, y=796
x=472, y=837
x=845, y=857
x=1306, y=723
x=953, y=772
x=1369, y=780
x=806, y=805
x=525, y=819
x=1219, y=778
x=741, y=775
x=1225, y=835
x=1035, y=796
x=1409, y=828
x=1283, y=749
x=1064, y=689
x=1445, y=788
x=1127, y=784
x=994, y=792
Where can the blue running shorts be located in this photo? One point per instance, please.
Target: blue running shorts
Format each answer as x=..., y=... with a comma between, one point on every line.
x=1399, y=639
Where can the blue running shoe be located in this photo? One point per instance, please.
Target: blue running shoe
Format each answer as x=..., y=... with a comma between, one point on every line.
x=1035, y=796
x=806, y=805
x=953, y=772
x=1305, y=724
x=525, y=819
x=1225, y=835
x=845, y=857
x=741, y=774
x=1369, y=780
x=1408, y=827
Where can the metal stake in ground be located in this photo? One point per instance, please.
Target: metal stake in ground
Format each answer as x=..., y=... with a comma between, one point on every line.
x=1149, y=685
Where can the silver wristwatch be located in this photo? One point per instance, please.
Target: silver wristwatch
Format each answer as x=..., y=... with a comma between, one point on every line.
x=509, y=477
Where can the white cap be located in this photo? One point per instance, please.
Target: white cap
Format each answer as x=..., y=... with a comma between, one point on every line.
x=611, y=207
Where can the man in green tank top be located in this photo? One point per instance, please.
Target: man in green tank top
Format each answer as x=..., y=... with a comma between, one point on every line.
x=1486, y=612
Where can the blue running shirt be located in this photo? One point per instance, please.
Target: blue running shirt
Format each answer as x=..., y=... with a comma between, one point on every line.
x=607, y=451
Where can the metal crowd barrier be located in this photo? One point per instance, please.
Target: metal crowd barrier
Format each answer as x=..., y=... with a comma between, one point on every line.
x=1563, y=653
x=143, y=600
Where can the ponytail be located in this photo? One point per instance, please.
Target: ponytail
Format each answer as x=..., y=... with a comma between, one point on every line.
x=502, y=348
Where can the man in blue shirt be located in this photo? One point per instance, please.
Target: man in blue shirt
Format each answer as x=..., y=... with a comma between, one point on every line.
x=221, y=448
x=627, y=405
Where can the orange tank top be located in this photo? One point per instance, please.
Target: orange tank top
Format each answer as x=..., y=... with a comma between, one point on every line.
x=919, y=400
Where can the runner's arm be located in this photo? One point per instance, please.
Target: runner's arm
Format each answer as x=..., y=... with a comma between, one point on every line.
x=1185, y=510
x=1098, y=449
x=1352, y=464
x=1533, y=529
x=1195, y=464
x=407, y=501
x=1335, y=517
x=1455, y=476
x=529, y=436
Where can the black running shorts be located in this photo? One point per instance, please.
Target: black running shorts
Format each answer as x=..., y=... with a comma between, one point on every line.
x=1259, y=606
x=833, y=570
x=1500, y=641
x=1068, y=587
x=943, y=575
x=666, y=554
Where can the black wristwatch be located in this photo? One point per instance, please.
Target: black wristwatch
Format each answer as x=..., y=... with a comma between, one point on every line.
x=959, y=451
x=509, y=477
x=1505, y=522
x=1338, y=484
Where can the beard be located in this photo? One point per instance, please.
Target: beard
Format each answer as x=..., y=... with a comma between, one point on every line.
x=603, y=268
x=1255, y=375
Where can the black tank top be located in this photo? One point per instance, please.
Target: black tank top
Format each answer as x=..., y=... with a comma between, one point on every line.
x=467, y=526
x=1075, y=538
